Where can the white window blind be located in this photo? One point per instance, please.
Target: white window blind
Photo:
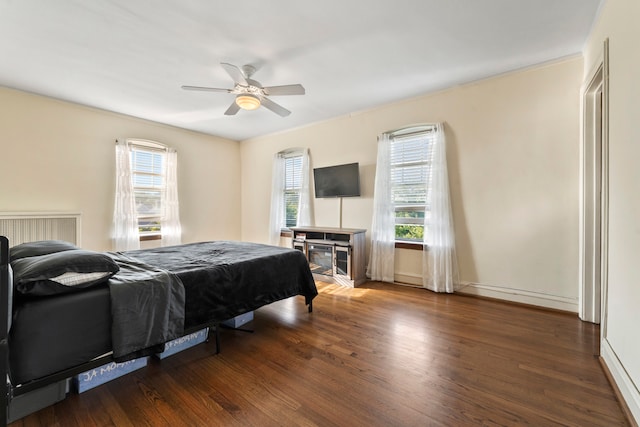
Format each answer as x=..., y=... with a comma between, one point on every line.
x=410, y=161
x=148, y=184
x=292, y=188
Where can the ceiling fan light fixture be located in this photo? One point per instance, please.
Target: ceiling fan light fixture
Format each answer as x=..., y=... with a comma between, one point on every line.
x=248, y=101
x=250, y=94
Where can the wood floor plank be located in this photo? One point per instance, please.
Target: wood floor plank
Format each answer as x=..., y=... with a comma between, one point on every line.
x=377, y=355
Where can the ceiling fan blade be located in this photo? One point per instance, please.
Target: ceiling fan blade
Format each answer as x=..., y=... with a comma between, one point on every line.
x=285, y=90
x=236, y=73
x=206, y=89
x=232, y=110
x=278, y=109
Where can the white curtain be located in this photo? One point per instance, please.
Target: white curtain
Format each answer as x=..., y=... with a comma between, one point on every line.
x=304, y=203
x=440, y=269
x=277, y=200
x=125, y=220
x=170, y=222
x=383, y=235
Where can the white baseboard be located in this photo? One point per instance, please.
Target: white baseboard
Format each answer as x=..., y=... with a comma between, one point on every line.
x=408, y=279
x=625, y=384
x=521, y=296
x=498, y=292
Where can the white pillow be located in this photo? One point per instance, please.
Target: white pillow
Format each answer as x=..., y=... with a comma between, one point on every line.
x=71, y=278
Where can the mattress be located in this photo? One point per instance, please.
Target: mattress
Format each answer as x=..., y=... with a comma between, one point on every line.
x=67, y=330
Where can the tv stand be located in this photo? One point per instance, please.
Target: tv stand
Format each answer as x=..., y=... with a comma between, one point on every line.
x=335, y=255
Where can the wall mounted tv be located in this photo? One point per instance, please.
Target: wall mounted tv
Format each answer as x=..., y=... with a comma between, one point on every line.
x=337, y=181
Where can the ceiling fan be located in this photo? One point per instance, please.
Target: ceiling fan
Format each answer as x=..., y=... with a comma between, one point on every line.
x=250, y=94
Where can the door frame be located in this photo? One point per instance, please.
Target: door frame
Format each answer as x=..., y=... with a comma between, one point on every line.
x=594, y=193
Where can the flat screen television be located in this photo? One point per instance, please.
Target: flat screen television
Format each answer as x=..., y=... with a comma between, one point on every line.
x=337, y=181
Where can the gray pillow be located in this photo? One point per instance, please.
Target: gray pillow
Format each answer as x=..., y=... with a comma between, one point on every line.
x=43, y=247
x=62, y=272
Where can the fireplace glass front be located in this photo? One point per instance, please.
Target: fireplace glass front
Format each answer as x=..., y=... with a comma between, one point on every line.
x=320, y=258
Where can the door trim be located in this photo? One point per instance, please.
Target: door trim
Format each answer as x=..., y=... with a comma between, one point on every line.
x=594, y=202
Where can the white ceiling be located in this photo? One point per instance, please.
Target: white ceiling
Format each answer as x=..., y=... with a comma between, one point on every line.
x=132, y=56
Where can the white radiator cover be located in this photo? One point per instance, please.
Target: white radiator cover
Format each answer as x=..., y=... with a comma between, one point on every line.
x=24, y=227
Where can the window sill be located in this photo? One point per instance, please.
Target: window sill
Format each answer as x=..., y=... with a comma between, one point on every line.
x=285, y=232
x=416, y=246
x=150, y=237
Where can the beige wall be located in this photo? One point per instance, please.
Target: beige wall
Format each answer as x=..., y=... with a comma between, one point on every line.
x=513, y=150
x=58, y=156
x=621, y=345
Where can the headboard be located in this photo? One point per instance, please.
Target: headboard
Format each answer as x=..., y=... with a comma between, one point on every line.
x=6, y=299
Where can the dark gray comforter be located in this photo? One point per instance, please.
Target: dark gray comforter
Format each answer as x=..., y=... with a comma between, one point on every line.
x=224, y=279
x=147, y=306
x=160, y=292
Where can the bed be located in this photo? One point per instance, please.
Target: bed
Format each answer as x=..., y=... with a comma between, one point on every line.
x=120, y=305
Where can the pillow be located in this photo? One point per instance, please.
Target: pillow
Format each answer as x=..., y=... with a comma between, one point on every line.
x=62, y=272
x=43, y=247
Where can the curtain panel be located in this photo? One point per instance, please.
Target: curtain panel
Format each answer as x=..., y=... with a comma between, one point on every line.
x=383, y=235
x=170, y=222
x=439, y=263
x=304, y=204
x=276, y=219
x=125, y=219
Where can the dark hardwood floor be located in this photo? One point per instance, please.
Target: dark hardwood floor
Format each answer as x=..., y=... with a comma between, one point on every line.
x=379, y=355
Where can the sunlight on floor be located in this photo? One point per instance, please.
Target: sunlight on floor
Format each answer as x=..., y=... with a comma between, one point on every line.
x=412, y=361
x=407, y=329
x=332, y=289
x=406, y=332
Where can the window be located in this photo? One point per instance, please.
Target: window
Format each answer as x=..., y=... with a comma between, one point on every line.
x=410, y=162
x=292, y=189
x=147, y=169
x=290, y=201
x=146, y=203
